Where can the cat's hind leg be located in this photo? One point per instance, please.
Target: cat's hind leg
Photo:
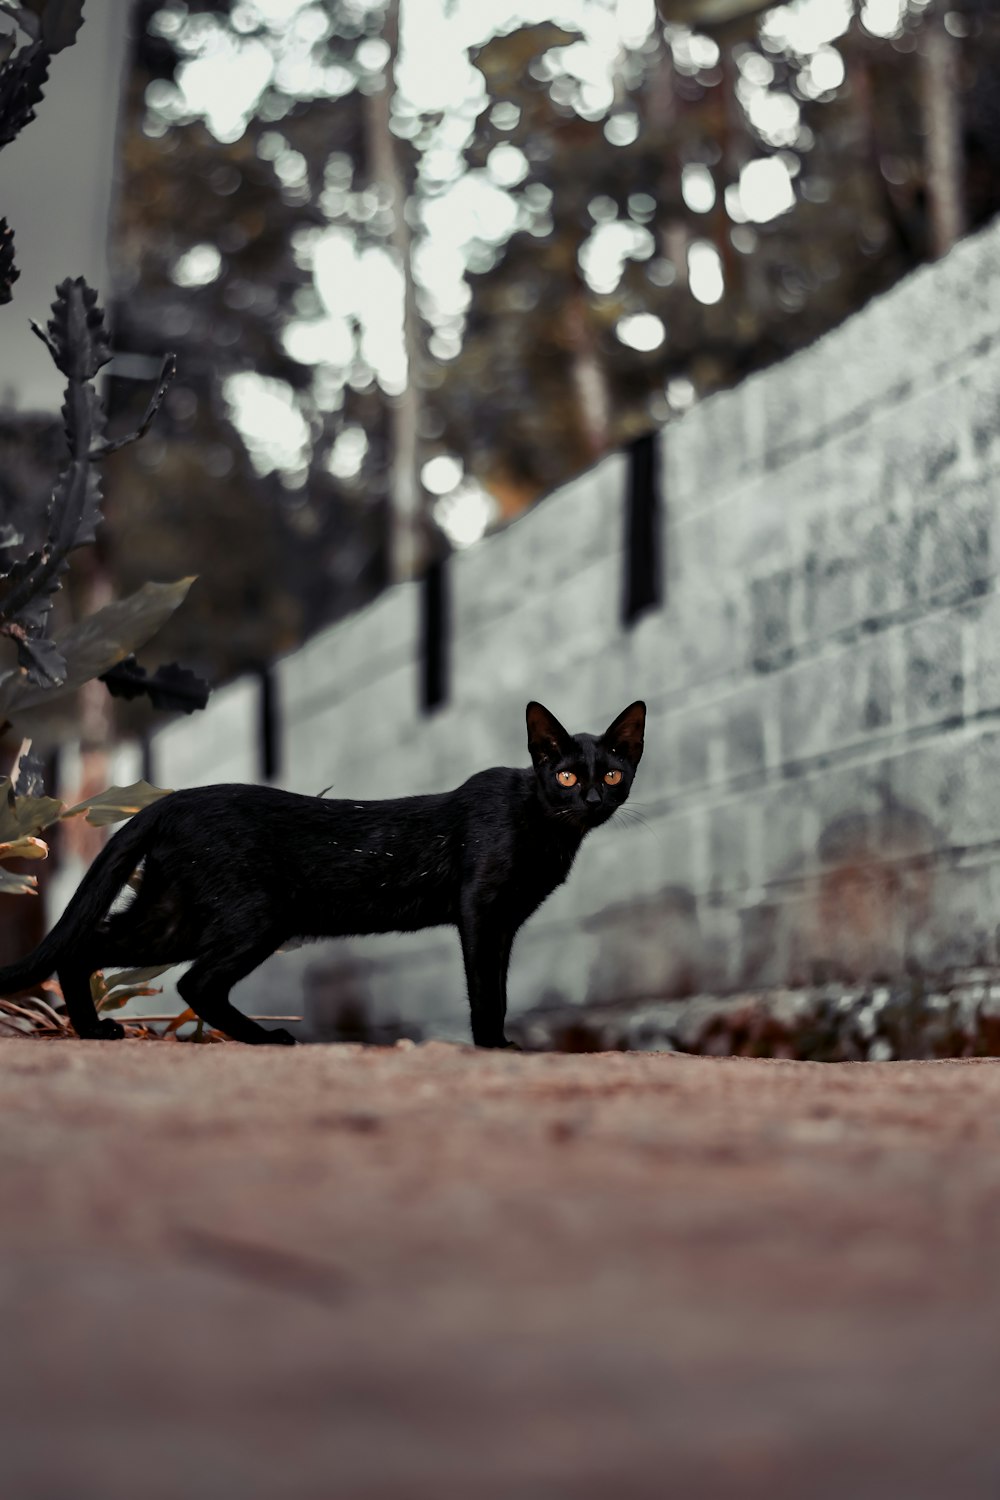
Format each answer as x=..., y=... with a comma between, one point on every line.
x=206, y=985
x=74, y=981
x=131, y=937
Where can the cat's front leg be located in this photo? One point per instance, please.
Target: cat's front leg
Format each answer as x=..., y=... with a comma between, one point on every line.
x=486, y=944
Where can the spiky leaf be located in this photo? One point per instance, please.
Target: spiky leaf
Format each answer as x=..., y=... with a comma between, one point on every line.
x=77, y=335
x=96, y=644
x=170, y=688
x=22, y=83
x=8, y=271
x=60, y=21
x=41, y=659
x=20, y=816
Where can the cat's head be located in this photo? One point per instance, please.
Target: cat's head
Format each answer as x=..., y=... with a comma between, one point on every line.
x=584, y=778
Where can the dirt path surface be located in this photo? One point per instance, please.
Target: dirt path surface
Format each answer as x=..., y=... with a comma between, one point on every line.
x=422, y=1273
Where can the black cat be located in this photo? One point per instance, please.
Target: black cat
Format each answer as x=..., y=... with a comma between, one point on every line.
x=229, y=873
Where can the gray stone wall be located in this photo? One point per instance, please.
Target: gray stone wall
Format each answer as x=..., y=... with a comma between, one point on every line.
x=820, y=793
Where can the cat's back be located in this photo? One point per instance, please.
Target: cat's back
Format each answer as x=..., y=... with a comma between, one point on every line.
x=244, y=815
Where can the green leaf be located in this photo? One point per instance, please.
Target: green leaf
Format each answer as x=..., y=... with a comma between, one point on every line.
x=117, y=802
x=98, y=643
x=21, y=817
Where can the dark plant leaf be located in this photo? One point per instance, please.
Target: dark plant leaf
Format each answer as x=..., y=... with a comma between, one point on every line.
x=76, y=332
x=25, y=18
x=22, y=83
x=25, y=815
x=8, y=271
x=41, y=659
x=170, y=688
x=60, y=21
x=96, y=644
x=30, y=779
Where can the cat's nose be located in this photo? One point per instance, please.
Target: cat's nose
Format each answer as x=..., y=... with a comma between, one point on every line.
x=593, y=797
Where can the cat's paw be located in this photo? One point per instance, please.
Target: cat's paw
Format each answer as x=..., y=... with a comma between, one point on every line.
x=279, y=1037
x=105, y=1030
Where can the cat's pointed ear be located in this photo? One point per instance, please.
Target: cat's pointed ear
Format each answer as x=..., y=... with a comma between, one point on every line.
x=547, y=739
x=624, y=736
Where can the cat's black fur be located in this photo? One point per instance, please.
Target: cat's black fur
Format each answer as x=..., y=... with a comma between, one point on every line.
x=230, y=873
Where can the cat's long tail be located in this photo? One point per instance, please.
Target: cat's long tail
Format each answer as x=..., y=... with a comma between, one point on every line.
x=90, y=901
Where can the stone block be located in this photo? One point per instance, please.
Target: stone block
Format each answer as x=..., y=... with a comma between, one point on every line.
x=219, y=744
x=697, y=747
x=705, y=601
x=789, y=829
x=956, y=926
x=769, y=643
x=744, y=715
x=719, y=923
x=983, y=626
x=566, y=534
x=551, y=966
x=828, y=703
x=983, y=413
x=950, y=547
x=730, y=855
x=714, y=449
x=883, y=532
x=345, y=656
x=935, y=671
x=947, y=793
x=803, y=693
x=652, y=948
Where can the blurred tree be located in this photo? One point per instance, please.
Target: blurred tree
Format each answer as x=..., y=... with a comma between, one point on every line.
x=430, y=261
x=214, y=242
x=746, y=189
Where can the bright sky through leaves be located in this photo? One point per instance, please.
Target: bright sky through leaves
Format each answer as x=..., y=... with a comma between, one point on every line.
x=463, y=217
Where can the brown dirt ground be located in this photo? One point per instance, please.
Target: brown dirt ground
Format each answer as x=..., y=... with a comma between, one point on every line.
x=421, y=1273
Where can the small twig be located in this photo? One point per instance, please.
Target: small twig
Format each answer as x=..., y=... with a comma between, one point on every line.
x=167, y=372
x=142, y=1020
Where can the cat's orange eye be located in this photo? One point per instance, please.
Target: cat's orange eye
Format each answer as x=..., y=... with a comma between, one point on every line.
x=612, y=778
x=566, y=778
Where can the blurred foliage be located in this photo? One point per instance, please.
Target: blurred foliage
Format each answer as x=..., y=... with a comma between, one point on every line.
x=24, y=816
x=279, y=551
x=620, y=260
x=42, y=525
